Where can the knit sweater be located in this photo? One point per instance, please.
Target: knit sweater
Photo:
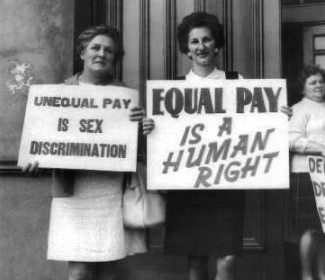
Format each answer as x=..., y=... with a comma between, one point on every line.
x=306, y=124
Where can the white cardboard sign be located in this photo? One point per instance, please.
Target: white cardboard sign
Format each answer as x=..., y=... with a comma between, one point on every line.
x=217, y=135
x=317, y=173
x=80, y=127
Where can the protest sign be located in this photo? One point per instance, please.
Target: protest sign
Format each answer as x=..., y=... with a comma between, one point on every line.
x=317, y=174
x=80, y=127
x=217, y=134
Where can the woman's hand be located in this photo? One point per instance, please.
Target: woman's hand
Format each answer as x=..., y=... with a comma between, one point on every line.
x=32, y=169
x=137, y=114
x=286, y=110
x=320, y=148
x=314, y=148
x=148, y=125
x=322, y=152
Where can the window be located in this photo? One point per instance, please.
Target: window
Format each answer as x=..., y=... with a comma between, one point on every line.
x=319, y=49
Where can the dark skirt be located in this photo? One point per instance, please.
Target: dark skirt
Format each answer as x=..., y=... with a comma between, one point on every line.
x=303, y=213
x=205, y=223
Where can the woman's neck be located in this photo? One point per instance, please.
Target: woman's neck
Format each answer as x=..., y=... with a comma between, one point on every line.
x=95, y=79
x=203, y=71
x=316, y=99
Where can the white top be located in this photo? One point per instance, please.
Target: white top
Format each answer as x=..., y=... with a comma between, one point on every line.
x=307, y=123
x=215, y=74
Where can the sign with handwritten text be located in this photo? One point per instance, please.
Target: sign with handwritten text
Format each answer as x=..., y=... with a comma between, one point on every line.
x=317, y=174
x=219, y=134
x=80, y=127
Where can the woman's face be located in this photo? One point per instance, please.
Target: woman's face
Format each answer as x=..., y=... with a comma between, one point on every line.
x=201, y=46
x=99, y=54
x=314, y=88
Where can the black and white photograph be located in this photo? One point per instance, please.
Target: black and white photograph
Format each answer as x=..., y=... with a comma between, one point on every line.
x=162, y=140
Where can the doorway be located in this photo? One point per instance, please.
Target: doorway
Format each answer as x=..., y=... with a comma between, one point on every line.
x=303, y=40
x=303, y=43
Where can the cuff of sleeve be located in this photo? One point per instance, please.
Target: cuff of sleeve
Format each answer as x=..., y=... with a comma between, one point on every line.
x=300, y=145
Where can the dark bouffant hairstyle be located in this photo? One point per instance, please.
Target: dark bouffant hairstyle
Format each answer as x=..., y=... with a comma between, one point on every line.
x=91, y=32
x=199, y=19
x=309, y=70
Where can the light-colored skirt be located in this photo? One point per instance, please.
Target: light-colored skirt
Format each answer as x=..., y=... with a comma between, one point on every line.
x=88, y=226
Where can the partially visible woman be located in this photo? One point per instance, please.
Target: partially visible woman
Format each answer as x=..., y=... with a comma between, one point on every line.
x=86, y=226
x=307, y=136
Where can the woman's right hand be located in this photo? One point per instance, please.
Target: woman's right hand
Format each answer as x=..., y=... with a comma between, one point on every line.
x=313, y=148
x=148, y=125
x=287, y=111
x=31, y=169
x=322, y=150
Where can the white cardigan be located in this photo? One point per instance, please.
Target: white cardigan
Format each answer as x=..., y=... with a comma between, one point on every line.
x=306, y=124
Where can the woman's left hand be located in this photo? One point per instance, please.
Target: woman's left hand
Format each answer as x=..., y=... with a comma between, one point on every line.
x=32, y=169
x=287, y=111
x=137, y=114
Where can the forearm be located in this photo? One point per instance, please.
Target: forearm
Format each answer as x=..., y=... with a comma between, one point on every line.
x=313, y=147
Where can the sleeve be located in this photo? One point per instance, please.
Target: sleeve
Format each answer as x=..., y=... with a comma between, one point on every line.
x=297, y=130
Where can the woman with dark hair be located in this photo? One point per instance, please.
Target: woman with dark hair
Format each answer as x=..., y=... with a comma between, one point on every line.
x=196, y=20
x=86, y=225
x=307, y=136
x=200, y=37
x=200, y=224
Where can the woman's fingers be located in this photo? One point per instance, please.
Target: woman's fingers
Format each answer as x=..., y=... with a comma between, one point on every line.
x=32, y=169
x=26, y=168
x=148, y=125
x=137, y=114
x=286, y=110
